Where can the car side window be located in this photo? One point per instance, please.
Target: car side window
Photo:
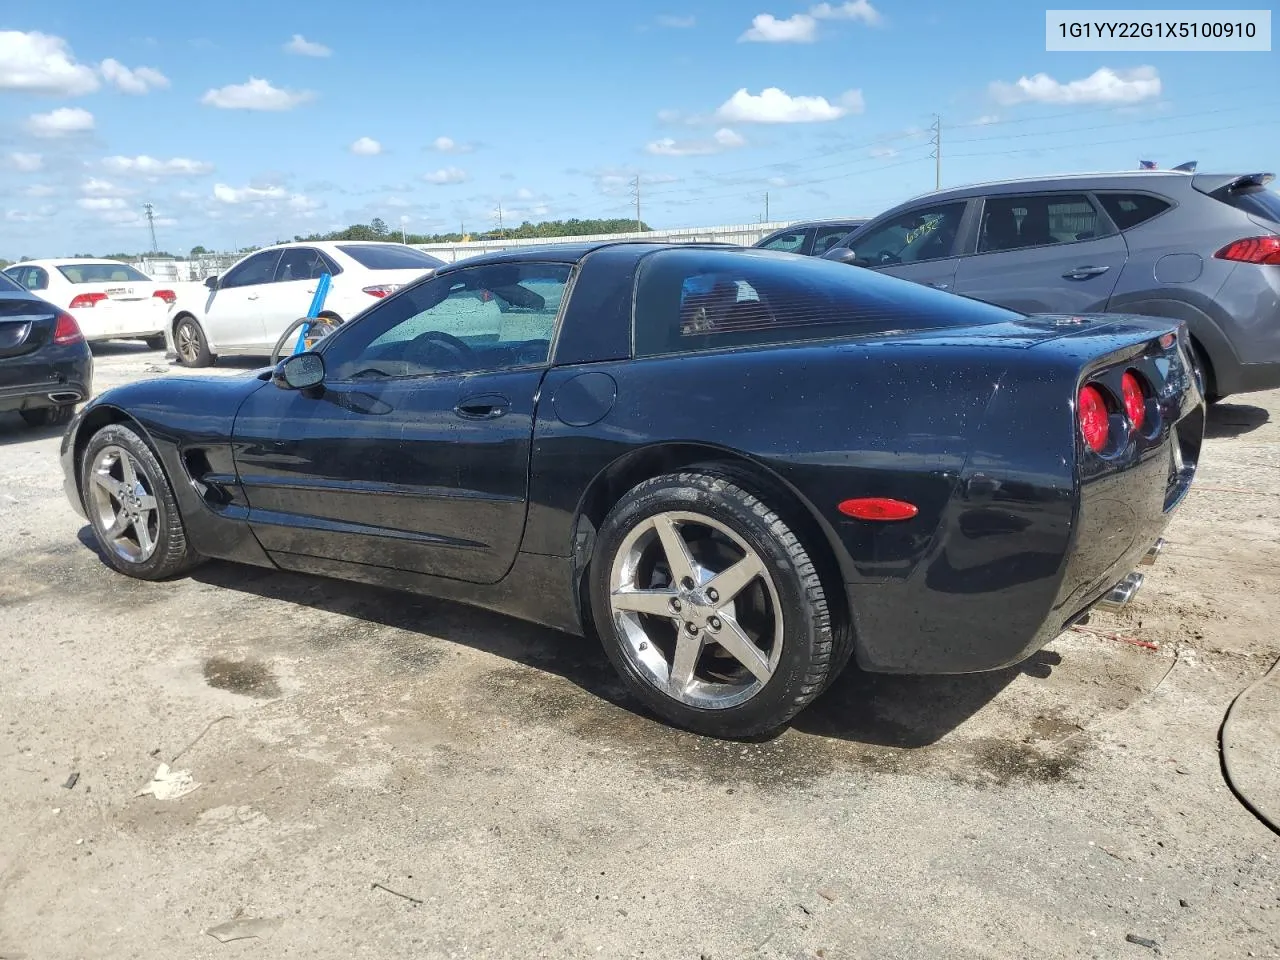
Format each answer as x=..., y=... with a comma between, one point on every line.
x=1014, y=223
x=925, y=233
x=18, y=275
x=491, y=317
x=300, y=263
x=37, y=278
x=259, y=268
x=828, y=237
x=1127, y=210
x=790, y=242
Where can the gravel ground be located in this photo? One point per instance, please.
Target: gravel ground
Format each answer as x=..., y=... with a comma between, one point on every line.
x=391, y=776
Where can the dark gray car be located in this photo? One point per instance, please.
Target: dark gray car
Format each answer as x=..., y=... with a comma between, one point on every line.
x=1198, y=247
x=812, y=238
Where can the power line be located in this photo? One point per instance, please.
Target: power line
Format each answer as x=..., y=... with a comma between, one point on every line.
x=1131, y=139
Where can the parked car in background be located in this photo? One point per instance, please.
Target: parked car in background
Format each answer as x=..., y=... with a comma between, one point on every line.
x=45, y=364
x=247, y=309
x=1198, y=247
x=812, y=238
x=519, y=431
x=109, y=300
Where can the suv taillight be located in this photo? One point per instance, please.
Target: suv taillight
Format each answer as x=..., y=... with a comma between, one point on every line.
x=66, y=331
x=1265, y=250
x=87, y=300
x=1095, y=423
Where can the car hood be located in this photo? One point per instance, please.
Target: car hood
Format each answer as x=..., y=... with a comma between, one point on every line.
x=185, y=397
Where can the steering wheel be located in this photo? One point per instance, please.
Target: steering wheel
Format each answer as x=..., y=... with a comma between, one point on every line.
x=886, y=256
x=461, y=354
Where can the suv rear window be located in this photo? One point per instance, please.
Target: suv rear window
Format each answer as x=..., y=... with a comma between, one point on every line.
x=1257, y=201
x=1127, y=210
x=698, y=299
x=389, y=256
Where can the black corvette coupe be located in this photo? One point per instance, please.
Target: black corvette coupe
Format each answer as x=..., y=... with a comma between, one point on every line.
x=738, y=467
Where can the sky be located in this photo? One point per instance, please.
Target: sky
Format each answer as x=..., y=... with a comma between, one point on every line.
x=246, y=123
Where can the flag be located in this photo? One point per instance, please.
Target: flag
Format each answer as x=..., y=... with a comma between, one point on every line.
x=1146, y=165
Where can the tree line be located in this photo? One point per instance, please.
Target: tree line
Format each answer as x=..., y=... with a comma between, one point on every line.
x=377, y=229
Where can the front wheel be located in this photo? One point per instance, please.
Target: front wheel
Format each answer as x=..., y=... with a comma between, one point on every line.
x=710, y=607
x=131, y=506
x=320, y=327
x=190, y=344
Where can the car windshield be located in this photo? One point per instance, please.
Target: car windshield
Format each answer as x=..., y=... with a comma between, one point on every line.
x=8, y=285
x=389, y=256
x=102, y=273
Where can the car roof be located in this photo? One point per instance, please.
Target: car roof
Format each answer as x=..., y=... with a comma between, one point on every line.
x=1080, y=181
x=575, y=252
x=65, y=262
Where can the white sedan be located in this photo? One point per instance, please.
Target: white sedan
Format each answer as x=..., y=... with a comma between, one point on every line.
x=247, y=309
x=110, y=300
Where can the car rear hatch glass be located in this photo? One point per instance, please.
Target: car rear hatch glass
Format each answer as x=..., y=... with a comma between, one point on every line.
x=25, y=326
x=1250, y=194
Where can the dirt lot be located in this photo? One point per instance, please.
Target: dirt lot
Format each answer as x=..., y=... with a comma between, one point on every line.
x=494, y=773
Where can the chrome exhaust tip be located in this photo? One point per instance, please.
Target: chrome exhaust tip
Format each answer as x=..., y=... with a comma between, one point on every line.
x=65, y=396
x=1152, y=554
x=1121, y=593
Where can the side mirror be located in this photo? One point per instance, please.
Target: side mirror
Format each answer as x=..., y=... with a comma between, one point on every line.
x=211, y=282
x=844, y=255
x=300, y=371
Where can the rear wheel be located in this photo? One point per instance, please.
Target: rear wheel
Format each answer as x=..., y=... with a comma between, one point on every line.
x=320, y=327
x=190, y=344
x=131, y=506
x=48, y=416
x=710, y=607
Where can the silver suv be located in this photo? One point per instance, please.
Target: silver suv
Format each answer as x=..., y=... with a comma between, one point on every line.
x=1198, y=247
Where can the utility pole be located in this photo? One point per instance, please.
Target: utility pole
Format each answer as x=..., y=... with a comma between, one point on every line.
x=937, y=152
x=501, y=232
x=635, y=196
x=766, y=206
x=151, y=222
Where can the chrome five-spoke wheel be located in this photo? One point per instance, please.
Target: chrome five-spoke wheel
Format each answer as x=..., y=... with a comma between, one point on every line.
x=697, y=610
x=123, y=499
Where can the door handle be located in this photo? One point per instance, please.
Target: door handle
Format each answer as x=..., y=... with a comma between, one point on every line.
x=253, y=296
x=940, y=285
x=489, y=406
x=1084, y=273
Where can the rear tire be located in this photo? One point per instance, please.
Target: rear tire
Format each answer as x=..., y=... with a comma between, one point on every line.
x=48, y=416
x=190, y=344
x=736, y=662
x=321, y=327
x=131, y=506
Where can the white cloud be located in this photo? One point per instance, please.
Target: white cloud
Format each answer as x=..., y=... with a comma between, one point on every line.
x=38, y=63
x=26, y=162
x=29, y=216
x=882, y=152
x=93, y=187
x=779, y=182
x=986, y=119
x=140, y=80
x=234, y=195
x=1102, y=86
x=723, y=139
x=60, y=123
x=301, y=203
x=39, y=190
x=677, y=23
x=775, y=106
x=256, y=94
x=101, y=203
x=449, y=145
x=524, y=193
x=766, y=28
x=446, y=175
x=151, y=167
x=861, y=10
x=366, y=147
x=306, y=48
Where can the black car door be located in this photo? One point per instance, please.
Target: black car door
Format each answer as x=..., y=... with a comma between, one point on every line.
x=414, y=452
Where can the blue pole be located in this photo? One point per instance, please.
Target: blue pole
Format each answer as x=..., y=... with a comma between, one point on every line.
x=317, y=304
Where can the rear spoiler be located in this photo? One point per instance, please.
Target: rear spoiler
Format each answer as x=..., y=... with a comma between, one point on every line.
x=1218, y=185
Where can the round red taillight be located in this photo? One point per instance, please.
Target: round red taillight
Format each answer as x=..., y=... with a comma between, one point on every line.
x=1135, y=401
x=1094, y=423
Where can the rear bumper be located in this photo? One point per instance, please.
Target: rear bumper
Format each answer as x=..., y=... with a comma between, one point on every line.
x=52, y=377
x=1246, y=378
x=127, y=322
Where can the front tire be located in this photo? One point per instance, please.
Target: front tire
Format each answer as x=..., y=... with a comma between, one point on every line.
x=710, y=607
x=190, y=344
x=48, y=416
x=131, y=506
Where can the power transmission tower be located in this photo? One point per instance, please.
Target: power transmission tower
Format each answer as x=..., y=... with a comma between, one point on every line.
x=151, y=222
x=937, y=152
x=766, y=206
x=635, y=197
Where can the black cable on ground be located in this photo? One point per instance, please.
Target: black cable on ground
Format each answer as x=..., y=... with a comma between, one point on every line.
x=1224, y=749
